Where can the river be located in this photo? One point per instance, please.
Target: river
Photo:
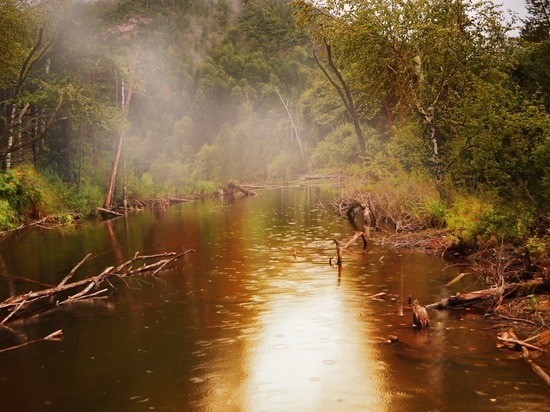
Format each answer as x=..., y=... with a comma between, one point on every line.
x=254, y=320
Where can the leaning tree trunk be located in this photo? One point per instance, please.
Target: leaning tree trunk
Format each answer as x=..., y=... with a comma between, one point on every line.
x=125, y=108
x=294, y=127
x=343, y=90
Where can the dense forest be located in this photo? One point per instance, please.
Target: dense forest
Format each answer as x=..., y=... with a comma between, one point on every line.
x=439, y=107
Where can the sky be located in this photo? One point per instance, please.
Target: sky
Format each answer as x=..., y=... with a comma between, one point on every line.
x=516, y=5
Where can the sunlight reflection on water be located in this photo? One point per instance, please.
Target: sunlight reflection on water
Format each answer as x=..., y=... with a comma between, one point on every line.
x=309, y=356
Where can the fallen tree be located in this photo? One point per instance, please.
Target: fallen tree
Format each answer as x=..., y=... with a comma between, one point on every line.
x=240, y=188
x=66, y=292
x=496, y=294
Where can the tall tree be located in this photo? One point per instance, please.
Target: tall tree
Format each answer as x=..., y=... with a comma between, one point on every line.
x=324, y=29
x=537, y=23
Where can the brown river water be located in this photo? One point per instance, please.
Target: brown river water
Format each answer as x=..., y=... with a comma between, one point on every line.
x=244, y=325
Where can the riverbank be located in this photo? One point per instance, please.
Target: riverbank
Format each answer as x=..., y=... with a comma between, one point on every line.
x=495, y=264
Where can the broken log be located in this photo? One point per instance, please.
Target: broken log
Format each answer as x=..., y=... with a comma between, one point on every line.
x=235, y=186
x=72, y=272
x=510, y=290
x=31, y=303
x=364, y=235
x=366, y=216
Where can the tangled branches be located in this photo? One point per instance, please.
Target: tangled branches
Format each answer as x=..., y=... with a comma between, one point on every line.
x=66, y=292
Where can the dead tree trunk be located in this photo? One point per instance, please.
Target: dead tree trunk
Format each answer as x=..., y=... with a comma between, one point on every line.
x=125, y=109
x=293, y=124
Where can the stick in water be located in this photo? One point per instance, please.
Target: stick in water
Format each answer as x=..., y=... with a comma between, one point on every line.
x=57, y=335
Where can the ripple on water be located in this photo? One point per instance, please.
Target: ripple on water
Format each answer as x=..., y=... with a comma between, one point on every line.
x=280, y=346
x=198, y=353
x=224, y=341
x=230, y=324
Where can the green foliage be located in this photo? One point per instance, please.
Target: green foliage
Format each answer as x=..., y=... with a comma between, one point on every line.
x=435, y=211
x=204, y=187
x=479, y=221
x=21, y=187
x=207, y=163
x=142, y=188
x=170, y=174
x=285, y=166
x=539, y=246
x=8, y=216
x=15, y=36
x=61, y=199
x=338, y=150
x=532, y=71
x=533, y=303
x=537, y=23
x=224, y=89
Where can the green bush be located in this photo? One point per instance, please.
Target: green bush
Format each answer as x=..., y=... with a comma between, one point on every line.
x=477, y=221
x=204, y=187
x=435, y=210
x=61, y=198
x=87, y=200
x=20, y=188
x=8, y=217
x=338, y=150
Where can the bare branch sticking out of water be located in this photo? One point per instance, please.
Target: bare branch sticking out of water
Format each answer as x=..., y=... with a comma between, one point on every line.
x=55, y=336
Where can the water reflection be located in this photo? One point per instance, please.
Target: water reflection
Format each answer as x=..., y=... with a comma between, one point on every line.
x=310, y=355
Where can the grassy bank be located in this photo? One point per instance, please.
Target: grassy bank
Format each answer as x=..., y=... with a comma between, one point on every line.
x=26, y=195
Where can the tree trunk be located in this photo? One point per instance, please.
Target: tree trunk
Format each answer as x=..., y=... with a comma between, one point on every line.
x=125, y=108
x=343, y=90
x=67, y=139
x=9, y=144
x=294, y=127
